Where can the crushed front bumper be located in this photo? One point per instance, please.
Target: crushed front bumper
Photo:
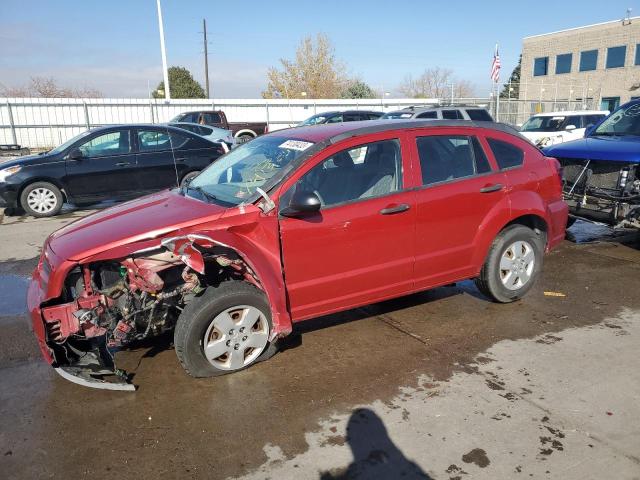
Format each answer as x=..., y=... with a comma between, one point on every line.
x=89, y=367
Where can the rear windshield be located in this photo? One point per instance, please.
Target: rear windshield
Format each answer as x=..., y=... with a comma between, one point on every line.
x=479, y=114
x=543, y=124
x=397, y=115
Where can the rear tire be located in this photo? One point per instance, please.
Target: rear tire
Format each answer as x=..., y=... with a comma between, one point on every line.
x=216, y=334
x=41, y=199
x=512, y=265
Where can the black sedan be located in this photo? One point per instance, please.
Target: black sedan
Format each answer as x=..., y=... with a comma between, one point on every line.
x=108, y=163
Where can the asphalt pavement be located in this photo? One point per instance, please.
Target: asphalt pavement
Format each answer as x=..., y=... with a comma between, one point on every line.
x=442, y=385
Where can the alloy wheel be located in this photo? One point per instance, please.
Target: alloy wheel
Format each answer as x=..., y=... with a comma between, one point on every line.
x=236, y=337
x=517, y=264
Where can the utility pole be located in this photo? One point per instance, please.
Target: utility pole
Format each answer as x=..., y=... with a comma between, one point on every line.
x=206, y=58
x=167, y=90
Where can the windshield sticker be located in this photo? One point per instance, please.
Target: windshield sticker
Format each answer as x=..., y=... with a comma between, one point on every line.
x=295, y=145
x=633, y=111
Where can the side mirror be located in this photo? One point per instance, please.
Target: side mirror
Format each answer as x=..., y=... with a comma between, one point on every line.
x=75, y=154
x=570, y=127
x=302, y=203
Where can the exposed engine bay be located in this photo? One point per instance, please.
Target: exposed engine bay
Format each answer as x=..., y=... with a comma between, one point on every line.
x=111, y=304
x=603, y=191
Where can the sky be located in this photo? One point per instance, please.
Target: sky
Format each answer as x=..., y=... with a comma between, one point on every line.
x=113, y=45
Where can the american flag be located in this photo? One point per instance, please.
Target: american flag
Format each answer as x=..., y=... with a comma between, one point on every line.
x=495, y=66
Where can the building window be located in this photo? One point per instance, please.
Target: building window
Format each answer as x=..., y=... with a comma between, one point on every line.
x=563, y=63
x=609, y=103
x=616, y=56
x=638, y=54
x=588, y=60
x=540, y=66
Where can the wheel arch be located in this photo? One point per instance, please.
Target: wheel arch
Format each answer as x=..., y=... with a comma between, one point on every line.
x=501, y=218
x=53, y=181
x=245, y=131
x=264, y=269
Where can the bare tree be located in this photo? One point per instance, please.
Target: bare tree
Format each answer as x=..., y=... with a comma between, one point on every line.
x=47, y=87
x=435, y=83
x=315, y=71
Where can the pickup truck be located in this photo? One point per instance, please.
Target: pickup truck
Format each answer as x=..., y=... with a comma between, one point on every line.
x=243, y=131
x=602, y=170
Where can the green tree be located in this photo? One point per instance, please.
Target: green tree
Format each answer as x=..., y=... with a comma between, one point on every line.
x=182, y=85
x=314, y=71
x=358, y=89
x=514, y=79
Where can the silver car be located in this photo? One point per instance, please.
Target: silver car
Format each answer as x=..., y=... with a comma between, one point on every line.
x=215, y=134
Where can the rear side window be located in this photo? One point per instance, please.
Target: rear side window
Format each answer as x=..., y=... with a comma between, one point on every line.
x=451, y=115
x=507, y=155
x=575, y=120
x=189, y=118
x=480, y=115
x=448, y=157
x=428, y=115
x=211, y=118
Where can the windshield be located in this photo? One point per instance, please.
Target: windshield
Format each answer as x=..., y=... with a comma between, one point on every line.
x=316, y=119
x=68, y=143
x=397, y=115
x=235, y=176
x=624, y=121
x=543, y=124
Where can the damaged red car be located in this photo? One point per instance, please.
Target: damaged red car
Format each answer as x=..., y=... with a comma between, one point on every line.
x=293, y=225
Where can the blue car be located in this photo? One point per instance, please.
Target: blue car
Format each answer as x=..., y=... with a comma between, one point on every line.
x=602, y=170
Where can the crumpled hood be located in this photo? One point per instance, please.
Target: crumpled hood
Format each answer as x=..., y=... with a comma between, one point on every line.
x=615, y=149
x=142, y=219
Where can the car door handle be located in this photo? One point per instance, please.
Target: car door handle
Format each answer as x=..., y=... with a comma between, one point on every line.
x=491, y=188
x=122, y=164
x=183, y=159
x=390, y=210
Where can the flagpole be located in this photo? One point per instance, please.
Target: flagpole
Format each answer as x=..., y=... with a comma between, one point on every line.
x=497, y=92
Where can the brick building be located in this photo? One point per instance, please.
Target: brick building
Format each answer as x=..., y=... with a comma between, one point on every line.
x=597, y=64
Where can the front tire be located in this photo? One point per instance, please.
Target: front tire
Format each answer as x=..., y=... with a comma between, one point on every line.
x=512, y=265
x=41, y=199
x=224, y=330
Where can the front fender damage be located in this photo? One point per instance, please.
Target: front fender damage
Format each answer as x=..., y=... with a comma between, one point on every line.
x=110, y=304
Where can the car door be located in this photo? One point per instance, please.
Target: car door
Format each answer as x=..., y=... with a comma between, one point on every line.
x=106, y=169
x=165, y=155
x=578, y=132
x=359, y=247
x=460, y=187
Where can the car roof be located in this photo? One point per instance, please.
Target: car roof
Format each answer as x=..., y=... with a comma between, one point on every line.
x=196, y=125
x=163, y=126
x=426, y=108
x=335, y=132
x=572, y=112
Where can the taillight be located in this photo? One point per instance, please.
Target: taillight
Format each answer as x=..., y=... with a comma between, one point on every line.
x=266, y=128
x=558, y=166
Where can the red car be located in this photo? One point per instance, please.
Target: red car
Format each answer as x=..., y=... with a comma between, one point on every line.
x=296, y=224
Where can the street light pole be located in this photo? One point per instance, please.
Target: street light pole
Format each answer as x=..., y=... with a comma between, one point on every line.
x=167, y=90
x=206, y=58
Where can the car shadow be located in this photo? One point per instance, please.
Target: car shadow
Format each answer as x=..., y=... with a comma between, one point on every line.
x=375, y=456
x=388, y=306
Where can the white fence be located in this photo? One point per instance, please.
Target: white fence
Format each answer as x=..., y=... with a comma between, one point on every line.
x=46, y=122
